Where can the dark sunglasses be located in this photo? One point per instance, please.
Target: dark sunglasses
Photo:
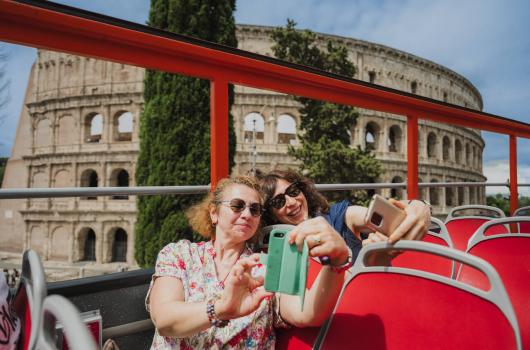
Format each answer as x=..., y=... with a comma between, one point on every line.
x=279, y=200
x=238, y=205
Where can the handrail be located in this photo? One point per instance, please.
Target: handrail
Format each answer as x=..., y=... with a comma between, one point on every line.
x=21, y=193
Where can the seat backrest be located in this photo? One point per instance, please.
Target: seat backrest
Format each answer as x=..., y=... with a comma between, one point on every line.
x=523, y=227
x=476, y=210
x=523, y=211
x=58, y=308
x=462, y=228
x=29, y=298
x=430, y=262
x=510, y=256
x=396, y=308
x=300, y=338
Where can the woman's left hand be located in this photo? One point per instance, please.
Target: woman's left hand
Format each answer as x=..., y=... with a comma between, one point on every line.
x=415, y=224
x=322, y=240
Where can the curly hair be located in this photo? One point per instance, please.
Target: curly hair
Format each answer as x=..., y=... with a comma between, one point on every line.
x=199, y=214
x=316, y=202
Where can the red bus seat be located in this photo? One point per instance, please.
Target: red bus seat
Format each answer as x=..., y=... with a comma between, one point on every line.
x=394, y=308
x=523, y=227
x=510, y=256
x=29, y=298
x=429, y=262
x=461, y=225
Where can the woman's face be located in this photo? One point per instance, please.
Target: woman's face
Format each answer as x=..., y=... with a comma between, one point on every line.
x=242, y=225
x=295, y=209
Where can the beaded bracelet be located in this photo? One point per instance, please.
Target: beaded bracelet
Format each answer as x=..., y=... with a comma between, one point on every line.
x=210, y=311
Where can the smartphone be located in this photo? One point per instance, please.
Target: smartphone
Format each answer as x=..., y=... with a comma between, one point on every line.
x=286, y=267
x=383, y=216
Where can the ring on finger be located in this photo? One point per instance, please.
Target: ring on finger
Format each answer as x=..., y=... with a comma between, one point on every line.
x=316, y=239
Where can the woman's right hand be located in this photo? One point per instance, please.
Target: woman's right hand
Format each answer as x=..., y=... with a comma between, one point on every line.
x=243, y=293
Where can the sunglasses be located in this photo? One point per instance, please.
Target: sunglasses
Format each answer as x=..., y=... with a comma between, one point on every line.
x=238, y=205
x=279, y=200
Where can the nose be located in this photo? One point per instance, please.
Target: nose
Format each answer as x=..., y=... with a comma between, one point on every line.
x=246, y=213
x=289, y=201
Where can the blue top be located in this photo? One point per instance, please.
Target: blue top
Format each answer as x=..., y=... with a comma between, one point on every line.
x=337, y=218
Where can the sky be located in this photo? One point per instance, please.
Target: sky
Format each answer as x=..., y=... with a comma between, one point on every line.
x=486, y=41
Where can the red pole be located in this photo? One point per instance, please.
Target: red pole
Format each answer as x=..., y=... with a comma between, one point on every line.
x=513, y=174
x=412, y=157
x=218, y=130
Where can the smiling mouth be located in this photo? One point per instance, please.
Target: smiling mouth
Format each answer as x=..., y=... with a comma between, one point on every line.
x=295, y=212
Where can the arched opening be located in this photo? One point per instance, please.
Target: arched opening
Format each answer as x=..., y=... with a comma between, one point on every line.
x=371, y=76
x=473, y=156
x=413, y=87
x=286, y=129
x=458, y=152
x=123, y=126
x=468, y=153
x=449, y=196
x=446, y=148
x=433, y=194
x=371, y=136
x=397, y=192
x=431, y=145
x=394, y=139
x=422, y=190
x=89, y=246
x=472, y=195
x=89, y=178
x=119, y=178
x=254, y=127
x=119, y=246
x=93, y=128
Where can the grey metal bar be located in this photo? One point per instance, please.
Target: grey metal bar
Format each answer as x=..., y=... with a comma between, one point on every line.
x=127, y=329
x=21, y=193
x=17, y=193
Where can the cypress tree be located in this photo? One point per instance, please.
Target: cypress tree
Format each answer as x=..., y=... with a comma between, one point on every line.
x=325, y=154
x=175, y=126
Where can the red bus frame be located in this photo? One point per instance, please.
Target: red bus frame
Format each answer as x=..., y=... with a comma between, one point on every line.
x=62, y=28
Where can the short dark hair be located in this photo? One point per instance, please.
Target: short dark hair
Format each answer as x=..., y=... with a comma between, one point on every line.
x=316, y=202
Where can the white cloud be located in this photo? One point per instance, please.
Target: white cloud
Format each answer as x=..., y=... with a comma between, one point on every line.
x=499, y=171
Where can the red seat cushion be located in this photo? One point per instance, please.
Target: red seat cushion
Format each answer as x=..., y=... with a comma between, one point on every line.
x=393, y=312
x=462, y=229
x=424, y=261
x=510, y=256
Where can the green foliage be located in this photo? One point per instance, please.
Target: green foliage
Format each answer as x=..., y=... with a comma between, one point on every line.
x=3, y=162
x=325, y=128
x=503, y=202
x=175, y=126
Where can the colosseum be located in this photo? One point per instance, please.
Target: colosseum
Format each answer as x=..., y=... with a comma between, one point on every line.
x=79, y=128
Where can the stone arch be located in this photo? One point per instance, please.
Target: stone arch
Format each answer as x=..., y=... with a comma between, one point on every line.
x=414, y=87
x=371, y=136
x=42, y=133
x=468, y=153
x=123, y=126
x=395, y=139
x=66, y=131
x=62, y=178
x=397, y=192
x=93, y=126
x=254, y=122
x=446, y=147
x=87, y=244
x=37, y=240
x=422, y=190
x=39, y=180
x=472, y=195
x=60, y=244
x=473, y=156
x=458, y=151
x=432, y=143
x=119, y=245
x=89, y=178
x=286, y=129
x=449, y=196
x=461, y=199
x=434, y=196
x=119, y=178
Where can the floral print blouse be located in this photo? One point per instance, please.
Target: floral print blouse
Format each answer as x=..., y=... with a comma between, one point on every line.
x=193, y=264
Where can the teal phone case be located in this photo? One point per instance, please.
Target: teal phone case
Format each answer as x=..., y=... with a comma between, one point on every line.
x=286, y=266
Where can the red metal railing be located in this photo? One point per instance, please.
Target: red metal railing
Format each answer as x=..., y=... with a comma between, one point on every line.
x=60, y=28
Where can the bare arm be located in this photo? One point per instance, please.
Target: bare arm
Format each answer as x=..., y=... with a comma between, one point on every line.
x=172, y=316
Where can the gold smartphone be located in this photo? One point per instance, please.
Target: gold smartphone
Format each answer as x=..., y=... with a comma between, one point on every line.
x=382, y=216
